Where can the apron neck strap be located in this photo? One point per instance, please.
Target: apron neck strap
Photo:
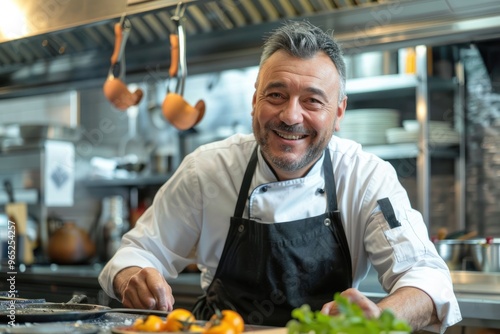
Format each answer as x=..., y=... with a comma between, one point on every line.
x=245, y=185
x=330, y=190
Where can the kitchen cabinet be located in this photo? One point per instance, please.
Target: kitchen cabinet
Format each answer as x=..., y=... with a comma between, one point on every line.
x=411, y=95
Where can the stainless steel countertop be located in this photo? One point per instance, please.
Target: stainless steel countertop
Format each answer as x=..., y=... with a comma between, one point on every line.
x=478, y=293
x=478, y=296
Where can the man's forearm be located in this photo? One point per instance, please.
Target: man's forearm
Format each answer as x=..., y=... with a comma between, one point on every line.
x=412, y=305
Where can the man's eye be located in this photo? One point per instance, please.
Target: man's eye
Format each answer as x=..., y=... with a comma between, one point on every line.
x=313, y=100
x=314, y=103
x=275, y=95
x=275, y=98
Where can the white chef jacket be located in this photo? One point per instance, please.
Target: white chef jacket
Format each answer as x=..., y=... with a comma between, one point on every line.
x=189, y=218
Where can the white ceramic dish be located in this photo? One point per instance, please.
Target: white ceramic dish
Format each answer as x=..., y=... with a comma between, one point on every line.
x=413, y=125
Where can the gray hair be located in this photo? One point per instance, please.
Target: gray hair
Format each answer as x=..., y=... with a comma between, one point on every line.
x=304, y=40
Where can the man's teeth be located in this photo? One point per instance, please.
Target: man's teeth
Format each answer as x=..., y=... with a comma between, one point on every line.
x=290, y=137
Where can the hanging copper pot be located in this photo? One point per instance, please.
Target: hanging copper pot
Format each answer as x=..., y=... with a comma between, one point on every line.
x=175, y=108
x=115, y=90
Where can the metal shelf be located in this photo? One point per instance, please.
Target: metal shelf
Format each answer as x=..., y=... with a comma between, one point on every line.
x=136, y=181
x=396, y=84
x=416, y=86
x=392, y=82
x=394, y=151
x=409, y=150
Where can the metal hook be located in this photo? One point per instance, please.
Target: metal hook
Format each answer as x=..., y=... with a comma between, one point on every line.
x=179, y=11
x=182, y=72
x=125, y=23
x=119, y=68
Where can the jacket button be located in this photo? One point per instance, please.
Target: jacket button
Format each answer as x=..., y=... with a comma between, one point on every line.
x=327, y=222
x=264, y=189
x=241, y=228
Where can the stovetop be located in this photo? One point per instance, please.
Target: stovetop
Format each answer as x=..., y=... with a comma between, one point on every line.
x=101, y=325
x=98, y=324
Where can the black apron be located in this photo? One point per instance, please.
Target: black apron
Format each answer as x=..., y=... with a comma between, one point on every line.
x=267, y=270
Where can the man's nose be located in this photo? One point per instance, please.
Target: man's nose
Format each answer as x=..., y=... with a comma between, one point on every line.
x=292, y=112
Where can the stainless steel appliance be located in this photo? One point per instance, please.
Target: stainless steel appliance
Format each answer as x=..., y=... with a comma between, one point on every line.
x=42, y=175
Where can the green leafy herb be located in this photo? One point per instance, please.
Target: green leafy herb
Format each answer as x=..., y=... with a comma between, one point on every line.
x=351, y=320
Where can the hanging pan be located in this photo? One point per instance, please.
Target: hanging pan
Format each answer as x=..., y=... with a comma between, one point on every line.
x=114, y=88
x=175, y=109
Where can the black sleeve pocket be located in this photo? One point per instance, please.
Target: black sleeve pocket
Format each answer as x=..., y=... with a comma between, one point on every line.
x=388, y=212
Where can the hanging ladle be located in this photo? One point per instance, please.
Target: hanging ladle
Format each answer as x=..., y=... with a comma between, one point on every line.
x=175, y=109
x=114, y=88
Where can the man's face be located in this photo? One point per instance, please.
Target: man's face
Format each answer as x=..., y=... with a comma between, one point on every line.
x=295, y=111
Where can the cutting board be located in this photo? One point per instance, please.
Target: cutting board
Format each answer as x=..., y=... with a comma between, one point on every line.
x=279, y=330
x=18, y=214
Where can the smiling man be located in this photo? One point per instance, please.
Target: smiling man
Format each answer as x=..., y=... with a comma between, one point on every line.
x=296, y=107
x=289, y=215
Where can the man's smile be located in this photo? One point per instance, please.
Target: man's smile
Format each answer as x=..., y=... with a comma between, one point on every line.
x=289, y=136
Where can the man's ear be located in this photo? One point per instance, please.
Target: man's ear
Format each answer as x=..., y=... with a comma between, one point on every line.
x=340, y=113
x=254, y=99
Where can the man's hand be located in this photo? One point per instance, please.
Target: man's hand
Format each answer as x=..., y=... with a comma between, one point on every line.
x=410, y=304
x=143, y=288
x=370, y=309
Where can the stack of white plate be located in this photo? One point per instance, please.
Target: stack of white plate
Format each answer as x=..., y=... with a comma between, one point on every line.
x=440, y=133
x=368, y=126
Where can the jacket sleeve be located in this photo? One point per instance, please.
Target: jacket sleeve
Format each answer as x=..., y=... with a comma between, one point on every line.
x=402, y=253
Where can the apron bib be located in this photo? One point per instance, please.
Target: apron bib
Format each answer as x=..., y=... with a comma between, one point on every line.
x=267, y=270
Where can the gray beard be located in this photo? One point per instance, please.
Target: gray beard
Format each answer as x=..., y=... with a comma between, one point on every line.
x=312, y=154
x=292, y=165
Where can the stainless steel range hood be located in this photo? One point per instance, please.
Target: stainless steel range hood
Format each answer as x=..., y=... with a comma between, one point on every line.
x=68, y=43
